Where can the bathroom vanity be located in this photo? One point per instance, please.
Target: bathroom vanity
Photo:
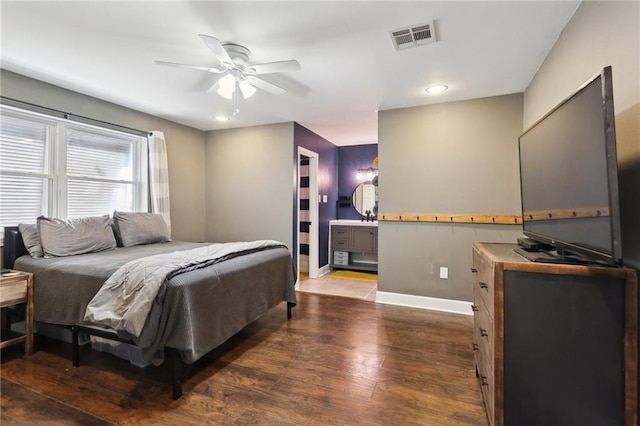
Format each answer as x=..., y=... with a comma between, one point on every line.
x=353, y=244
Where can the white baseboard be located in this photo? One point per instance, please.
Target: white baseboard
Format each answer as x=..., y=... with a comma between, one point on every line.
x=324, y=270
x=321, y=272
x=423, y=302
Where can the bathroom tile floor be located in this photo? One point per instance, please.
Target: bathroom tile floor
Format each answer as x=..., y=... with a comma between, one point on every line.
x=339, y=286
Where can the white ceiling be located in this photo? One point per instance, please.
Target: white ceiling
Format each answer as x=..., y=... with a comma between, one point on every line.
x=349, y=66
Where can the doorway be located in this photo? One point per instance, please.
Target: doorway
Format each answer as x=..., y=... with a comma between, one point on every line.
x=307, y=207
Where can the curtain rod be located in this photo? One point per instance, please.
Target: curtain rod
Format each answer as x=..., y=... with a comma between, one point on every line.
x=70, y=116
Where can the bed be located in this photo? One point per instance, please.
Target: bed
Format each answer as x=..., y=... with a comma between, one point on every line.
x=196, y=310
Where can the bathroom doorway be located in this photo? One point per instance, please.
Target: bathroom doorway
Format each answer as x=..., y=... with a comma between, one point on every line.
x=307, y=206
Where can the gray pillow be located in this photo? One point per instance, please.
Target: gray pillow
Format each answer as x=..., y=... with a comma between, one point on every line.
x=69, y=237
x=140, y=228
x=31, y=239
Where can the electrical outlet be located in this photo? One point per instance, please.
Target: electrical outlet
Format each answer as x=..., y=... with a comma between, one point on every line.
x=444, y=273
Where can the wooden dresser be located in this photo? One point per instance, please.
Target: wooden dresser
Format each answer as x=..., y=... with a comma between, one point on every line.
x=554, y=344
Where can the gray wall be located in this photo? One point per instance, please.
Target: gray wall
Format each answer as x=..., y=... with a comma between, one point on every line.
x=458, y=157
x=249, y=182
x=578, y=55
x=185, y=145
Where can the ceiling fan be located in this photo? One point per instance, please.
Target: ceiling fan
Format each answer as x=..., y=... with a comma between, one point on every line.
x=236, y=74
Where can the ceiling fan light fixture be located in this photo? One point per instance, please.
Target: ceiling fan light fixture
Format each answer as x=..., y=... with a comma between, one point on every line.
x=228, y=83
x=227, y=86
x=247, y=89
x=225, y=93
x=222, y=118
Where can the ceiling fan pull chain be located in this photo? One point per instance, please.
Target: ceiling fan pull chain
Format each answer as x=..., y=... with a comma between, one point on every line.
x=236, y=110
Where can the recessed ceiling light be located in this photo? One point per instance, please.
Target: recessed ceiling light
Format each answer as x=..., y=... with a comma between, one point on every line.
x=436, y=88
x=222, y=118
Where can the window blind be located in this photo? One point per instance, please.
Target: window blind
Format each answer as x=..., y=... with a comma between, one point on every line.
x=25, y=179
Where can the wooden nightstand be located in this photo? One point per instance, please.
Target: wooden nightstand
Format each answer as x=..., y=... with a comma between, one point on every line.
x=17, y=287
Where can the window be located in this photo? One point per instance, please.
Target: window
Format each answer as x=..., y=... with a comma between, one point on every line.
x=55, y=167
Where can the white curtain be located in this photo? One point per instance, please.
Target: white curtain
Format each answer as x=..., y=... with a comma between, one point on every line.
x=159, y=176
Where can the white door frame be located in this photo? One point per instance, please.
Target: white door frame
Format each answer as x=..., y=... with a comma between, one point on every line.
x=313, y=212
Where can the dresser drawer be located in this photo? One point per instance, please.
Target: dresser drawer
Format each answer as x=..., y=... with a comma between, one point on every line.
x=484, y=336
x=483, y=281
x=13, y=292
x=487, y=386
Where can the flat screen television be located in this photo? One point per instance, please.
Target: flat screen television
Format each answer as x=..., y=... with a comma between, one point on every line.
x=569, y=178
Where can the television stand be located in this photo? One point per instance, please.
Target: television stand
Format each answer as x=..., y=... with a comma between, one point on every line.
x=554, y=344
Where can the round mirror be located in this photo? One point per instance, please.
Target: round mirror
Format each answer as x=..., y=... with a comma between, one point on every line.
x=365, y=199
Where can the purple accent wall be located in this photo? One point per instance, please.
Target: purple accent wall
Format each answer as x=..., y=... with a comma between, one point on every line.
x=350, y=159
x=327, y=184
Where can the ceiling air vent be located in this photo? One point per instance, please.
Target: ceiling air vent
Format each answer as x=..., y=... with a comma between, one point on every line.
x=414, y=36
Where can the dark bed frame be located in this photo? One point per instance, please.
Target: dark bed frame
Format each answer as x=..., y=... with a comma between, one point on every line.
x=14, y=248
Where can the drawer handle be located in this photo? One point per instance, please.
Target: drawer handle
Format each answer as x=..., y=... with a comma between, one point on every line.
x=483, y=381
x=483, y=332
x=474, y=308
x=475, y=346
x=483, y=285
x=474, y=270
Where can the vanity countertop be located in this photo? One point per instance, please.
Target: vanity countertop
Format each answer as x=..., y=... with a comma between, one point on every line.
x=353, y=222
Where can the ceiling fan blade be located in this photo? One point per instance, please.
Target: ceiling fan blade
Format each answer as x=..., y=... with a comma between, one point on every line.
x=194, y=67
x=273, y=67
x=265, y=85
x=217, y=48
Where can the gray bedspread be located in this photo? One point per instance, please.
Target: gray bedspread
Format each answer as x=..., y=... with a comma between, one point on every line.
x=124, y=301
x=200, y=309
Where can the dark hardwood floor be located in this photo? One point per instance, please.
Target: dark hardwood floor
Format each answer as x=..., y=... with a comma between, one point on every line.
x=338, y=361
